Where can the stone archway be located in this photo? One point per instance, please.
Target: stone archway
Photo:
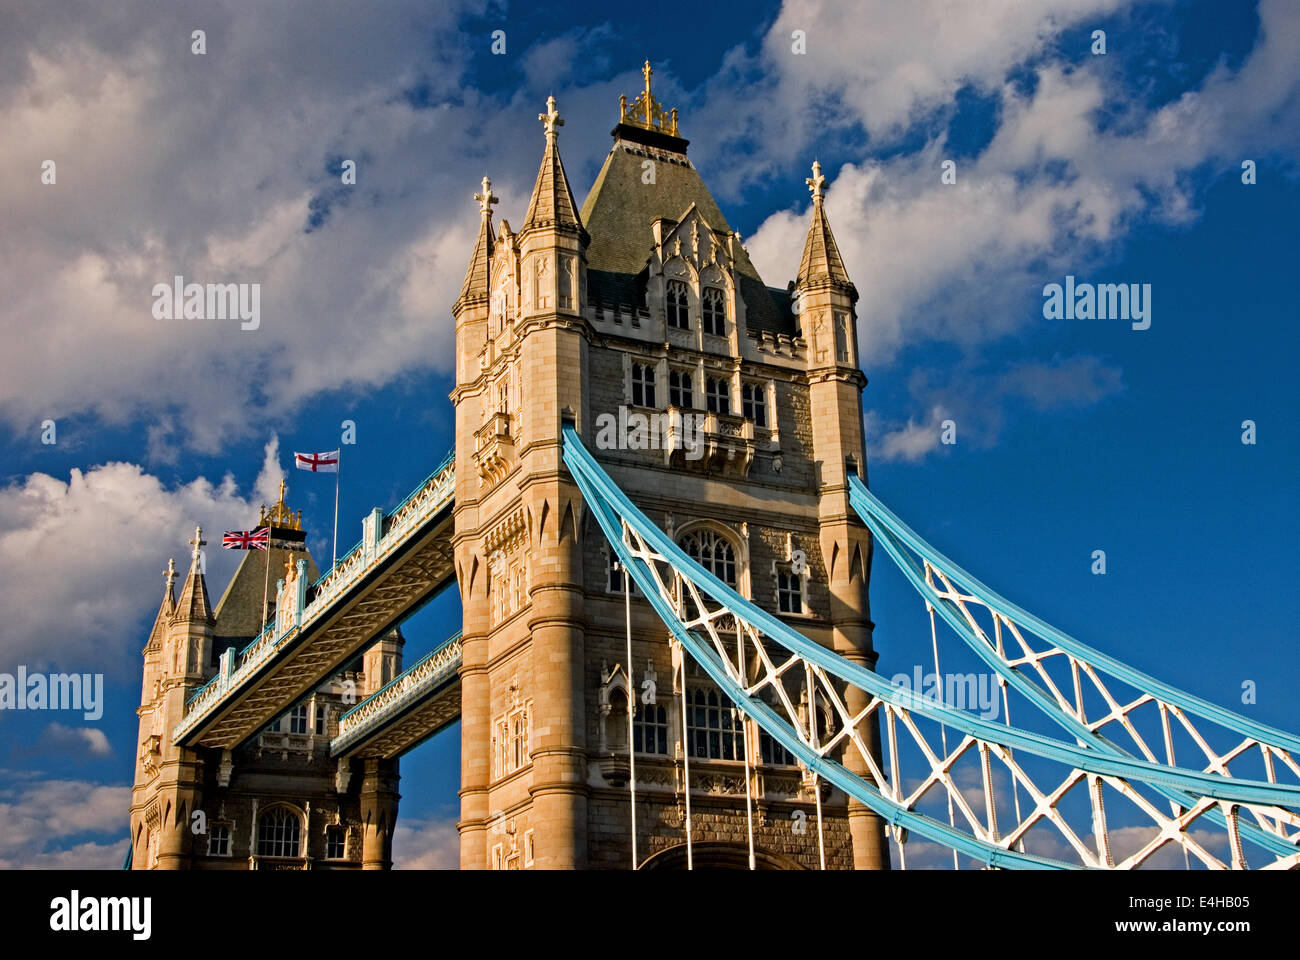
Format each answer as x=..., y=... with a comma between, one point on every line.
x=717, y=855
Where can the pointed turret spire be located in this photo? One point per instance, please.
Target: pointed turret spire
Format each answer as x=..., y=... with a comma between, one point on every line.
x=168, y=607
x=476, y=277
x=193, y=603
x=552, y=201
x=821, y=255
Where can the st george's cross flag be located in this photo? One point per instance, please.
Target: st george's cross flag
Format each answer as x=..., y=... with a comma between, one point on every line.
x=246, y=539
x=318, y=462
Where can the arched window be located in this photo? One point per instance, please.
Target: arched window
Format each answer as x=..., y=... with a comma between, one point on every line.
x=842, y=330
x=679, y=314
x=713, y=553
x=713, y=727
x=717, y=395
x=650, y=729
x=643, y=385
x=753, y=403
x=713, y=311
x=679, y=388
x=278, y=832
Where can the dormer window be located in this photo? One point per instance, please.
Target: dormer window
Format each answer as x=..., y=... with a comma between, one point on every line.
x=679, y=315
x=713, y=312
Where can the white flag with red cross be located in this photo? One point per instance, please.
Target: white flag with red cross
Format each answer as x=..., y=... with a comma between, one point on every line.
x=318, y=462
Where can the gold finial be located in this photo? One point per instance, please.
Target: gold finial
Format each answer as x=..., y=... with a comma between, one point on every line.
x=645, y=111
x=816, y=182
x=486, y=198
x=551, y=118
x=280, y=515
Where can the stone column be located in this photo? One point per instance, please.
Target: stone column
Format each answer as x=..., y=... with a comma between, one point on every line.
x=379, y=799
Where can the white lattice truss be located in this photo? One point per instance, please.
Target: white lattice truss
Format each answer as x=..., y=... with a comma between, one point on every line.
x=1120, y=724
x=789, y=683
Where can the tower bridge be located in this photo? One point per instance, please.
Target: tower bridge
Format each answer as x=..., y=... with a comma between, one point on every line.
x=662, y=659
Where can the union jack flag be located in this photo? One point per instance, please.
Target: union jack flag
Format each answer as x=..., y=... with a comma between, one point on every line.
x=246, y=539
x=327, y=462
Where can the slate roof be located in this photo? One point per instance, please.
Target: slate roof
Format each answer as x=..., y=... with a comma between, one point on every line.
x=239, y=612
x=620, y=209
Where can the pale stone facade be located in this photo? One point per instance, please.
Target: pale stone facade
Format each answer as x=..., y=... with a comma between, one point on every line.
x=645, y=300
x=279, y=801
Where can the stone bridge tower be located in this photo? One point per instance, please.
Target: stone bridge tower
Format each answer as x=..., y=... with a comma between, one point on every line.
x=644, y=301
x=278, y=801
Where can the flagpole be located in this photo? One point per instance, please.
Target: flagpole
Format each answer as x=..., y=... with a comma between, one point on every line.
x=266, y=585
x=337, y=473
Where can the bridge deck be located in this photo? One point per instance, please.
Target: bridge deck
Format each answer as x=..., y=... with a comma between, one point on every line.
x=410, y=709
x=402, y=562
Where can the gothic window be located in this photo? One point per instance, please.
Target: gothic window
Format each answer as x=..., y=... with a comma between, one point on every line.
x=566, y=282
x=717, y=395
x=789, y=592
x=771, y=751
x=713, y=311
x=643, y=385
x=321, y=720
x=511, y=741
x=713, y=727
x=219, y=840
x=528, y=848
x=335, y=843
x=498, y=857
x=753, y=401
x=650, y=729
x=713, y=553
x=679, y=314
x=679, y=389
x=298, y=719
x=278, y=833
x=518, y=739
x=541, y=282
x=842, y=331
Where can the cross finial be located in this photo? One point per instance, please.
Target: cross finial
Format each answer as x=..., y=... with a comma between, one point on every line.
x=816, y=181
x=551, y=117
x=170, y=573
x=486, y=198
x=198, y=542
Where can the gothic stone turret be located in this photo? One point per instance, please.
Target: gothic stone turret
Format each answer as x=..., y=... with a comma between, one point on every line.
x=279, y=801
x=644, y=300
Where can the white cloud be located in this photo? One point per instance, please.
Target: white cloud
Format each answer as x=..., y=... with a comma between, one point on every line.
x=78, y=739
x=41, y=816
x=89, y=549
x=212, y=167
x=1052, y=193
x=432, y=844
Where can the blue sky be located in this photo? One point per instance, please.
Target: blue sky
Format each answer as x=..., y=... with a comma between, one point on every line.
x=1073, y=435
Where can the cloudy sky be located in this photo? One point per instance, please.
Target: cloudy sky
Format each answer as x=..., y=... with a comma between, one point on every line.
x=1073, y=435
